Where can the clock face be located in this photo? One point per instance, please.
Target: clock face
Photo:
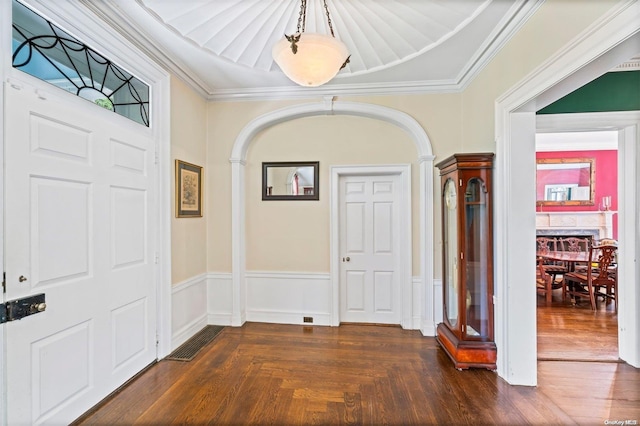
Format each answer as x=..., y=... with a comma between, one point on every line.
x=450, y=196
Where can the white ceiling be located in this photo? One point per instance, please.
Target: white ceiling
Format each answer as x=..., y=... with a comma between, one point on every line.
x=222, y=48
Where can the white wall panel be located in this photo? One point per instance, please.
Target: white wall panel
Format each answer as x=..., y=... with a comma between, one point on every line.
x=188, y=309
x=287, y=297
x=219, y=299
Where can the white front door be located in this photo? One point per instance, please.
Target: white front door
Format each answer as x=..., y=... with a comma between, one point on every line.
x=79, y=218
x=369, y=249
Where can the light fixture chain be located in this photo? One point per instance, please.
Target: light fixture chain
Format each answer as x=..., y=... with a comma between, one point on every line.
x=302, y=19
x=328, y=18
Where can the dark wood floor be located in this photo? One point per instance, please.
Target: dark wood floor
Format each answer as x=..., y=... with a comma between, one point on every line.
x=358, y=374
x=574, y=332
x=578, y=363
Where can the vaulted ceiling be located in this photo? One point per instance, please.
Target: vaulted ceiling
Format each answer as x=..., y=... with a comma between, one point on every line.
x=222, y=48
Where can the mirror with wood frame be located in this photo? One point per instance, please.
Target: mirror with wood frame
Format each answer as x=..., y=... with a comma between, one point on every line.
x=565, y=182
x=290, y=180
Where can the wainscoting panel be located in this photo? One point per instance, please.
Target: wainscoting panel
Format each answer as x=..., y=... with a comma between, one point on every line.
x=188, y=309
x=287, y=297
x=419, y=292
x=417, y=303
x=219, y=298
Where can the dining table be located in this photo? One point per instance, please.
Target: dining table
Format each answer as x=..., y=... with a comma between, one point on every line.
x=570, y=257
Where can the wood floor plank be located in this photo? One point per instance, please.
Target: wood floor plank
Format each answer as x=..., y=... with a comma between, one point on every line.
x=261, y=374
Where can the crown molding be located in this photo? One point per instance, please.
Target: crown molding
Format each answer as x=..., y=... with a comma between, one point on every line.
x=298, y=92
x=520, y=13
x=631, y=65
x=110, y=12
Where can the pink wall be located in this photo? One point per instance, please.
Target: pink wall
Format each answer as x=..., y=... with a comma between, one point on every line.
x=606, y=173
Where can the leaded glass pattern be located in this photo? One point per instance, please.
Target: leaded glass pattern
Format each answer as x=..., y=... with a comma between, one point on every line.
x=45, y=51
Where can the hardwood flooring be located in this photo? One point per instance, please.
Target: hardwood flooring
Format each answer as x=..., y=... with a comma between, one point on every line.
x=575, y=332
x=358, y=374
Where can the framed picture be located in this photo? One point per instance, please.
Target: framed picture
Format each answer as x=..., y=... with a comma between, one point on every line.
x=188, y=190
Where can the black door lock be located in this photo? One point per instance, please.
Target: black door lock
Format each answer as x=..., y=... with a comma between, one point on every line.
x=20, y=308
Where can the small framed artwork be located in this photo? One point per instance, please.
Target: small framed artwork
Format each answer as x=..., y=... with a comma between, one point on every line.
x=188, y=190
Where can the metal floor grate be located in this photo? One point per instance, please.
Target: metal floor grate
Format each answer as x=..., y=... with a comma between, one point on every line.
x=189, y=349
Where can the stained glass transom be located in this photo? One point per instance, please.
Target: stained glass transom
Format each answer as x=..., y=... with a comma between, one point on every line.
x=43, y=50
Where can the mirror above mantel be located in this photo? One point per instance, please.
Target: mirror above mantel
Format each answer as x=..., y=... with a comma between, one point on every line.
x=565, y=182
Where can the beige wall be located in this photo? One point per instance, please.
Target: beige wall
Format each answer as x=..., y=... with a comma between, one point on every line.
x=294, y=235
x=332, y=140
x=188, y=143
x=462, y=122
x=551, y=28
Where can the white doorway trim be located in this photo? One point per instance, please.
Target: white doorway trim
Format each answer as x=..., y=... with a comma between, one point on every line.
x=627, y=124
x=330, y=107
x=607, y=43
x=406, y=252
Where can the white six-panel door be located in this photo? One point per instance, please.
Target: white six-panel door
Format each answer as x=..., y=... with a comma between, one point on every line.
x=79, y=202
x=369, y=249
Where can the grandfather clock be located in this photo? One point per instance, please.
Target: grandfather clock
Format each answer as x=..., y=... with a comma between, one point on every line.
x=466, y=332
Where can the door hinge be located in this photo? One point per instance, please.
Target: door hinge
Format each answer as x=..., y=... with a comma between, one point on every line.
x=4, y=282
x=20, y=308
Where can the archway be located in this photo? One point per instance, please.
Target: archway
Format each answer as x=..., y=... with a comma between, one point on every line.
x=331, y=107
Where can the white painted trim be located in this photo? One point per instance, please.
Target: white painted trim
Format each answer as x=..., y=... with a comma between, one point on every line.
x=190, y=292
x=611, y=38
x=284, y=275
x=406, y=251
x=627, y=126
x=5, y=66
x=330, y=107
x=288, y=297
x=575, y=141
x=219, y=299
x=496, y=41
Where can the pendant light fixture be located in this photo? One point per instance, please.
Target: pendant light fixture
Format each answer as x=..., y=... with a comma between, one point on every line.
x=310, y=59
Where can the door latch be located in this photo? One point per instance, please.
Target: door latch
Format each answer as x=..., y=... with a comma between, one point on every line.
x=20, y=308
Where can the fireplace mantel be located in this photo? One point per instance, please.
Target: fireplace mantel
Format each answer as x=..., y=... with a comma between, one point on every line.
x=600, y=223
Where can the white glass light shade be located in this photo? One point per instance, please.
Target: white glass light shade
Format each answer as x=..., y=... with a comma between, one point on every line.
x=318, y=59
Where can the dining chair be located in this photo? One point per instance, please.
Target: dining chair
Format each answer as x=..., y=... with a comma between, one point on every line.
x=545, y=283
x=574, y=244
x=552, y=268
x=601, y=273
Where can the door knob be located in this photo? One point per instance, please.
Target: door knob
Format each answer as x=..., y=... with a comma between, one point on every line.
x=22, y=278
x=346, y=259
